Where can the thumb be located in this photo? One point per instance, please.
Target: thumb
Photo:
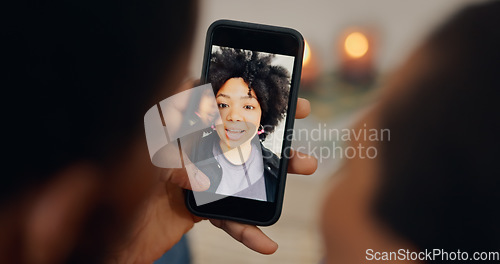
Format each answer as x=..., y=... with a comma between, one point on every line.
x=190, y=177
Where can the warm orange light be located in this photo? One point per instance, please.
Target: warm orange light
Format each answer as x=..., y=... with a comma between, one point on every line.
x=356, y=45
x=307, y=54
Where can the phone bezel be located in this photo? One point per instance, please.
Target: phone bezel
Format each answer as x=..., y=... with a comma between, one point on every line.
x=264, y=38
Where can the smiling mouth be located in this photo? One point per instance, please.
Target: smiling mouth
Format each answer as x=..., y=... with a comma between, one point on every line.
x=234, y=134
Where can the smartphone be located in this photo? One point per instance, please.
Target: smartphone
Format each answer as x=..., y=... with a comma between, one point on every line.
x=254, y=72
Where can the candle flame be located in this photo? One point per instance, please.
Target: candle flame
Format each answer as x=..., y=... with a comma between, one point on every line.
x=307, y=54
x=356, y=45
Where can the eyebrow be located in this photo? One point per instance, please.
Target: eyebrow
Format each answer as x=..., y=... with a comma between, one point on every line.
x=227, y=96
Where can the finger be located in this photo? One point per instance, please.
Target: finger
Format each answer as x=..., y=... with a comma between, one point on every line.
x=303, y=108
x=251, y=236
x=178, y=177
x=189, y=177
x=301, y=163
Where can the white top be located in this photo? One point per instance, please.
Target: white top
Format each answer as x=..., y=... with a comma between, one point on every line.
x=245, y=180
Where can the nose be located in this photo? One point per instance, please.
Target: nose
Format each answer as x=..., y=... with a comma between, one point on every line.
x=234, y=114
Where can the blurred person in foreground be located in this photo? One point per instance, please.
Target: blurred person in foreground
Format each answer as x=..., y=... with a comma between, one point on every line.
x=78, y=185
x=435, y=184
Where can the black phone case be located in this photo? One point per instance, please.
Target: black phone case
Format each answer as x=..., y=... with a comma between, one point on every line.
x=289, y=119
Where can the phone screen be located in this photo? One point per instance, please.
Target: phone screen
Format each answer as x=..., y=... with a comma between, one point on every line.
x=253, y=76
x=251, y=89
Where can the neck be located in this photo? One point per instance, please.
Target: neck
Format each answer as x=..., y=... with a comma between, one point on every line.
x=237, y=155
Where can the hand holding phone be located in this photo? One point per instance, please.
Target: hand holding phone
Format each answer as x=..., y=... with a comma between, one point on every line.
x=254, y=71
x=161, y=125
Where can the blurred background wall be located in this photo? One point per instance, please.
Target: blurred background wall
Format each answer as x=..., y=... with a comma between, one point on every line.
x=400, y=24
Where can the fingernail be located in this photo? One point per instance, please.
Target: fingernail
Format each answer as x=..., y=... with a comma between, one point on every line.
x=203, y=181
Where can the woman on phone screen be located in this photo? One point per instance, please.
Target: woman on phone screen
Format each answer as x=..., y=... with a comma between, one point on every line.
x=252, y=97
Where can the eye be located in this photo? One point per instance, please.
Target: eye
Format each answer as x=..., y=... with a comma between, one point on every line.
x=222, y=105
x=249, y=107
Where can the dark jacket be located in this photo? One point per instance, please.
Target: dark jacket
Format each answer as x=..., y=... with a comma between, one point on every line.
x=201, y=154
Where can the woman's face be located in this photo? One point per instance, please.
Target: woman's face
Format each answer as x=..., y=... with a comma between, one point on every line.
x=240, y=112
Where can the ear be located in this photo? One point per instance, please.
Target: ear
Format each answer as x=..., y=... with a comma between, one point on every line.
x=58, y=213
